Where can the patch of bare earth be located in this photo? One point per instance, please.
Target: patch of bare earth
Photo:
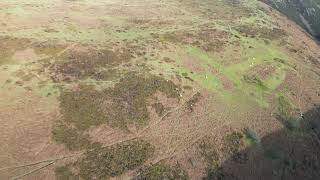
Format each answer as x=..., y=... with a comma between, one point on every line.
x=26, y=121
x=25, y=55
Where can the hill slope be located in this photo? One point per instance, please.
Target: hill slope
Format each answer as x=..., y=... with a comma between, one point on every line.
x=305, y=13
x=148, y=89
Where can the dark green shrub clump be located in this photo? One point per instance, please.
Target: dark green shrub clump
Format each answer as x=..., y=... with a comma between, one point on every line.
x=125, y=103
x=70, y=137
x=254, y=80
x=161, y=171
x=82, y=108
x=77, y=65
x=105, y=162
x=193, y=101
x=233, y=141
x=159, y=108
x=65, y=173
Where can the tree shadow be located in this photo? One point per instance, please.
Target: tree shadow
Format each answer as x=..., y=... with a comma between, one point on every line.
x=289, y=154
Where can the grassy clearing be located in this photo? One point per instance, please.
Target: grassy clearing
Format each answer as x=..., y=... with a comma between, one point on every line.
x=253, y=87
x=162, y=171
x=234, y=72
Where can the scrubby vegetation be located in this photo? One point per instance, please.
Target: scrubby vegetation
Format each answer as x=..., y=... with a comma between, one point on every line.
x=219, y=174
x=100, y=162
x=262, y=32
x=71, y=137
x=106, y=162
x=123, y=104
x=82, y=108
x=106, y=64
x=65, y=173
x=210, y=155
x=95, y=64
x=207, y=38
x=233, y=141
x=193, y=101
x=233, y=144
x=162, y=171
x=159, y=108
